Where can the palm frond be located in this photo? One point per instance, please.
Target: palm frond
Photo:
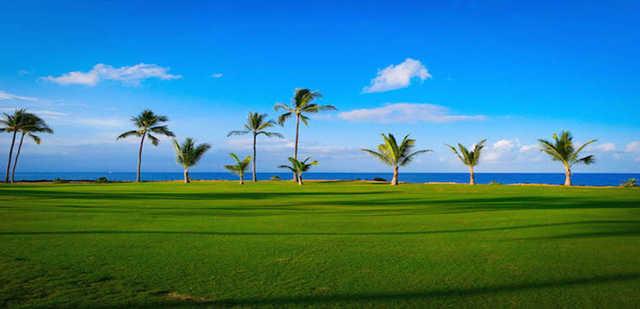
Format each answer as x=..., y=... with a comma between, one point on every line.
x=129, y=133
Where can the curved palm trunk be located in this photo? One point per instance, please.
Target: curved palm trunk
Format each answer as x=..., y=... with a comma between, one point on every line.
x=567, y=176
x=295, y=146
x=140, y=157
x=187, y=179
x=241, y=178
x=300, y=182
x=253, y=176
x=13, y=142
x=15, y=163
x=472, y=177
x=394, y=180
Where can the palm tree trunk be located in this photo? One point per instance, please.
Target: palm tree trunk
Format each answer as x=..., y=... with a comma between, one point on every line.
x=567, y=176
x=300, y=180
x=186, y=176
x=15, y=163
x=394, y=180
x=254, y=178
x=242, y=178
x=295, y=146
x=13, y=142
x=472, y=177
x=140, y=157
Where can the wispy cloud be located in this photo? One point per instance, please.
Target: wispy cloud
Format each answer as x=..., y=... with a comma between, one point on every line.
x=130, y=75
x=397, y=76
x=10, y=96
x=633, y=147
x=605, y=147
x=102, y=122
x=406, y=112
x=217, y=75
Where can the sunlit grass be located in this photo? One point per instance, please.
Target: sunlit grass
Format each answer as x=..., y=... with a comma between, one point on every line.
x=322, y=244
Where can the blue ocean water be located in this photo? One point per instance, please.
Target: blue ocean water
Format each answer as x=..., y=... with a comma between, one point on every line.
x=583, y=179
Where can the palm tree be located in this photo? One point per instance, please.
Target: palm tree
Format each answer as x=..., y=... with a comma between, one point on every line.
x=395, y=155
x=188, y=154
x=299, y=167
x=256, y=125
x=239, y=167
x=563, y=150
x=302, y=104
x=12, y=123
x=469, y=158
x=32, y=124
x=147, y=122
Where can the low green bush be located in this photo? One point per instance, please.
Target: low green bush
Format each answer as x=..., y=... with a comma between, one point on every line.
x=275, y=177
x=378, y=179
x=631, y=182
x=102, y=180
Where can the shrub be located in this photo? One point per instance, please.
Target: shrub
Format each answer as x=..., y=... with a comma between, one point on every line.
x=379, y=179
x=59, y=180
x=102, y=180
x=631, y=182
x=275, y=177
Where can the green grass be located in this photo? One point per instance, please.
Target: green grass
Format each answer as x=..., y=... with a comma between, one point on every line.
x=325, y=244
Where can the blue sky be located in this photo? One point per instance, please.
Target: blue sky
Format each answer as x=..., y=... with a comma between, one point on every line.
x=445, y=72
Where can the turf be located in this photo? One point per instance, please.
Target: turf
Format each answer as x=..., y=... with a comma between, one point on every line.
x=326, y=244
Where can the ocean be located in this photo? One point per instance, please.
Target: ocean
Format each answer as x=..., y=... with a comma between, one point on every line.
x=581, y=179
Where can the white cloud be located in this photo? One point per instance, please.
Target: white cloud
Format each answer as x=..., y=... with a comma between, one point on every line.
x=9, y=96
x=406, y=112
x=528, y=148
x=397, y=76
x=504, y=145
x=606, y=147
x=217, y=75
x=131, y=75
x=633, y=147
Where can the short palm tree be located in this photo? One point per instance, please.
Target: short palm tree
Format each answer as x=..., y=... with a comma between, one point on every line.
x=12, y=123
x=302, y=104
x=563, y=150
x=188, y=154
x=257, y=124
x=469, y=158
x=240, y=167
x=32, y=125
x=147, y=122
x=298, y=167
x=394, y=154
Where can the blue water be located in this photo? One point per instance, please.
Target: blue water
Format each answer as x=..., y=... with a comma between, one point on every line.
x=583, y=179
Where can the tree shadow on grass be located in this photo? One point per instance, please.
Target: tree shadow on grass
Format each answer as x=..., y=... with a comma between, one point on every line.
x=630, y=227
x=410, y=296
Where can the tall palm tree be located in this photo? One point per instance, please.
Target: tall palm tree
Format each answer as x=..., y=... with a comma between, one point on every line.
x=469, y=158
x=302, y=104
x=188, y=154
x=239, y=167
x=12, y=123
x=147, y=122
x=256, y=125
x=298, y=167
x=32, y=124
x=394, y=154
x=563, y=150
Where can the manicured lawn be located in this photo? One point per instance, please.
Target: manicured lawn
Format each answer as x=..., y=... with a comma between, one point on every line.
x=325, y=244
